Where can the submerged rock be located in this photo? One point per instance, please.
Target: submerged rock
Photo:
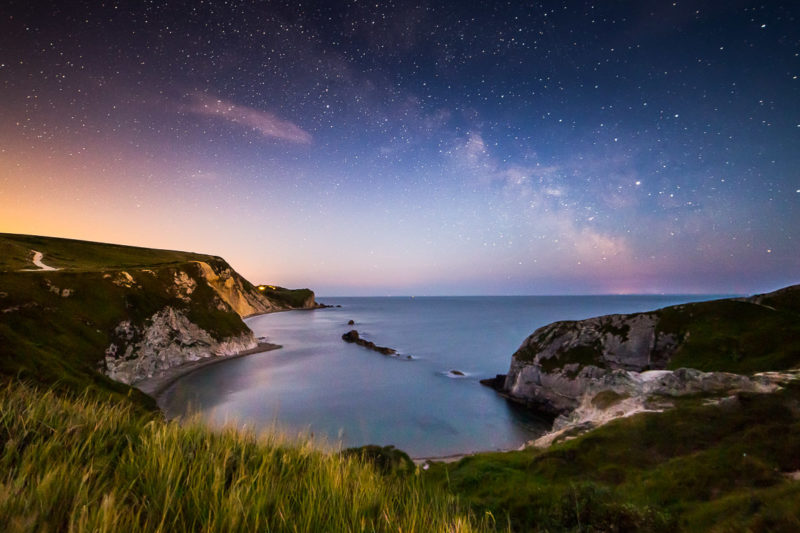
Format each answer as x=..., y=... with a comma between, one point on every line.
x=351, y=336
x=351, y=322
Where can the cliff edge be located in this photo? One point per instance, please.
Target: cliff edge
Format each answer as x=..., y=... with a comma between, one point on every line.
x=586, y=372
x=125, y=313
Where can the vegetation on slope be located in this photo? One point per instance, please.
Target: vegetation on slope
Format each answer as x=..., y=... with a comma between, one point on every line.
x=76, y=464
x=50, y=338
x=71, y=254
x=287, y=297
x=694, y=468
x=736, y=335
x=739, y=335
x=56, y=325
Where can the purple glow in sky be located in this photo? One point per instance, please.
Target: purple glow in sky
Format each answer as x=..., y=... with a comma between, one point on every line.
x=415, y=148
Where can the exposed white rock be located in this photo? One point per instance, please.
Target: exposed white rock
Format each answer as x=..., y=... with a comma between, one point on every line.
x=230, y=287
x=556, y=364
x=183, y=286
x=167, y=340
x=619, y=393
x=64, y=293
x=123, y=279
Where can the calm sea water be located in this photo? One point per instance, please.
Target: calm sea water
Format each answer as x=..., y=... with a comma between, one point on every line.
x=355, y=396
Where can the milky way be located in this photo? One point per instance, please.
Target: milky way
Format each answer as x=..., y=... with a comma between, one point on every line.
x=415, y=148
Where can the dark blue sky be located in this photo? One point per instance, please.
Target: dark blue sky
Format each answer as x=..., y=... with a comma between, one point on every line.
x=415, y=148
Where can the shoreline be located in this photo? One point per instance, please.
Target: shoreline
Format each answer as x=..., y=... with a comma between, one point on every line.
x=419, y=461
x=156, y=386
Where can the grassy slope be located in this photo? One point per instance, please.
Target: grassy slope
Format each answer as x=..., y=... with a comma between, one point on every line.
x=60, y=340
x=695, y=468
x=737, y=336
x=729, y=335
x=75, y=464
x=70, y=254
x=56, y=340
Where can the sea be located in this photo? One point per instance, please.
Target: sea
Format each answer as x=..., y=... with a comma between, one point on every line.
x=347, y=395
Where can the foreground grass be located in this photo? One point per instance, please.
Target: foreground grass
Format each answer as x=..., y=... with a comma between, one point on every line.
x=78, y=464
x=694, y=468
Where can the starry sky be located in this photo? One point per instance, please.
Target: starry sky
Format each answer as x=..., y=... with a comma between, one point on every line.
x=413, y=148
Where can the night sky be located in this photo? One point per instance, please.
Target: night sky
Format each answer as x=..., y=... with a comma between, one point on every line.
x=373, y=148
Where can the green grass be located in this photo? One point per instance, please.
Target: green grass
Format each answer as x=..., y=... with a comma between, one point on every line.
x=730, y=335
x=76, y=464
x=693, y=468
x=735, y=336
x=71, y=254
x=582, y=355
x=54, y=339
x=287, y=297
x=61, y=340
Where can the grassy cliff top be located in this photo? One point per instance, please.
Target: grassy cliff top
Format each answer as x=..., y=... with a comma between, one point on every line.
x=741, y=335
x=75, y=255
x=56, y=325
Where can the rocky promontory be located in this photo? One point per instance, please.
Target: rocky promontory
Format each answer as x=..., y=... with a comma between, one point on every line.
x=642, y=360
x=125, y=312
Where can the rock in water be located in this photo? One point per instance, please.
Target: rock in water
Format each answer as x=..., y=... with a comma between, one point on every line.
x=352, y=336
x=496, y=382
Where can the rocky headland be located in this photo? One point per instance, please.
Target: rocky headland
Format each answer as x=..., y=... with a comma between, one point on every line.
x=585, y=373
x=132, y=314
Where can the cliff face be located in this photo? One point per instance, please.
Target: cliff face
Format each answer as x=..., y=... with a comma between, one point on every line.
x=181, y=331
x=557, y=363
x=121, y=312
x=165, y=340
x=235, y=291
x=708, y=348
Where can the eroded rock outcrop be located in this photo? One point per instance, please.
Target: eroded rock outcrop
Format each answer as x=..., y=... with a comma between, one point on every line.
x=619, y=393
x=555, y=365
x=561, y=369
x=167, y=339
x=235, y=291
x=196, y=309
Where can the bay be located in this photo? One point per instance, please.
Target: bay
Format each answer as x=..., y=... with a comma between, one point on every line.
x=352, y=396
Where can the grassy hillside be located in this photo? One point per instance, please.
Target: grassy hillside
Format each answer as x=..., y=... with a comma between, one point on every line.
x=75, y=255
x=75, y=464
x=741, y=336
x=53, y=339
x=56, y=325
x=695, y=468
